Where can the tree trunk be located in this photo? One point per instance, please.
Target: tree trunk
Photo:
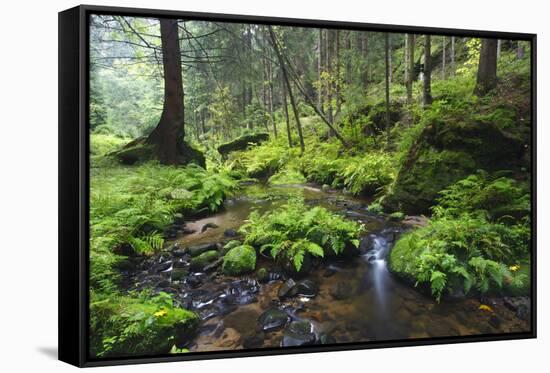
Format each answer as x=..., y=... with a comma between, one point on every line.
x=320, y=56
x=487, y=69
x=453, y=67
x=443, y=58
x=285, y=108
x=387, y=64
x=427, y=71
x=290, y=94
x=169, y=134
x=410, y=80
x=390, y=73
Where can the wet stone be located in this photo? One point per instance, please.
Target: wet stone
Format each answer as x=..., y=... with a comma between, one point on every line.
x=207, y=226
x=193, y=281
x=199, y=249
x=298, y=333
x=287, y=289
x=306, y=288
x=161, y=267
x=253, y=341
x=230, y=233
x=273, y=319
x=342, y=291
x=178, y=274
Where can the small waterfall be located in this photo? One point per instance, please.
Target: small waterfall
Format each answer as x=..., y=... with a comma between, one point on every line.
x=378, y=273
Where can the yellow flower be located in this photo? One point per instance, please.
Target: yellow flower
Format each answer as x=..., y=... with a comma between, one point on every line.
x=485, y=307
x=160, y=313
x=514, y=268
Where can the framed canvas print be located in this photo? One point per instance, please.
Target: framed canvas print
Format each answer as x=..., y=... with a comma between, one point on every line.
x=235, y=186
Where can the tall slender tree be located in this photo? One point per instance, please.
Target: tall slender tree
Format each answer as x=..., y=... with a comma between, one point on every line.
x=427, y=91
x=410, y=68
x=387, y=65
x=487, y=69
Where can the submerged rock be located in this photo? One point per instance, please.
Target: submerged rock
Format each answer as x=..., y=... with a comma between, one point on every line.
x=208, y=225
x=298, y=333
x=287, y=289
x=306, y=288
x=273, y=319
x=253, y=341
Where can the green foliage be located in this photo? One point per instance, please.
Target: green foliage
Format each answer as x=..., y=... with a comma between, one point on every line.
x=293, y=230
x=133, y=205
x=141, y=324
x=456, y=254
x=367, y=173
x=493, y=196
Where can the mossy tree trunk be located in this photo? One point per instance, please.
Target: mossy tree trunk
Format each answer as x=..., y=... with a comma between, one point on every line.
x=487, y=70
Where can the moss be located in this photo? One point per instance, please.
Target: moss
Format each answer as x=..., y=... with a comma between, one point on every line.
x=139, y=150
x=396, y=216
x=242, y=142
x=239, y=260
x=230, y=245
x=446, y=152
x=199, y=262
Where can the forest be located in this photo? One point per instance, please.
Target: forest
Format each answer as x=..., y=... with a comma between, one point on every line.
x=260, y=186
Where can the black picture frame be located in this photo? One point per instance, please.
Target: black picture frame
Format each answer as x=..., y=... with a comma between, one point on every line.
x=74, y=165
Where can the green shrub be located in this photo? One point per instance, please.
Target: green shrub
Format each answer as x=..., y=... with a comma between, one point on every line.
x=133, y=205
x=458, y=254
x=293, y=230
x=494, y=196
x=138, y=325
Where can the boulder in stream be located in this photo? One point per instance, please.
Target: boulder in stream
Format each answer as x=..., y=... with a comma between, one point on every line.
x=239, y=260
x=273, y=319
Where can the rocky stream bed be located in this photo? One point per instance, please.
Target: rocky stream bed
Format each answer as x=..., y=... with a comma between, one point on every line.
x=334, y=301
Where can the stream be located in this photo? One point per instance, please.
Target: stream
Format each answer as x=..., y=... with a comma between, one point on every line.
x=340, y=301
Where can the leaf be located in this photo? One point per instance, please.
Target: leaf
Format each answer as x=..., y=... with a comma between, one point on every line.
x=315, y=249
x=298, y=260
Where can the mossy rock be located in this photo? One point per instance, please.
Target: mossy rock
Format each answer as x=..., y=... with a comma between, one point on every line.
x=243, y=142
x=445, y=153
x=139, y=150
x=239, y=260
x=396, y=216
x=199, y=262
x=230, y=245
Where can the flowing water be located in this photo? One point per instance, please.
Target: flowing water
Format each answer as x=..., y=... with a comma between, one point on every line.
x=353, y=300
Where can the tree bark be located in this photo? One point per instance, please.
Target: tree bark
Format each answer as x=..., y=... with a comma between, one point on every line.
x=443, y=58
x=285, y=108
x=387, y=60
x=169, y=134
x=453, y=67
x=410, y=77
x=290, y=94
x=427, y=94
x=487, y=69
